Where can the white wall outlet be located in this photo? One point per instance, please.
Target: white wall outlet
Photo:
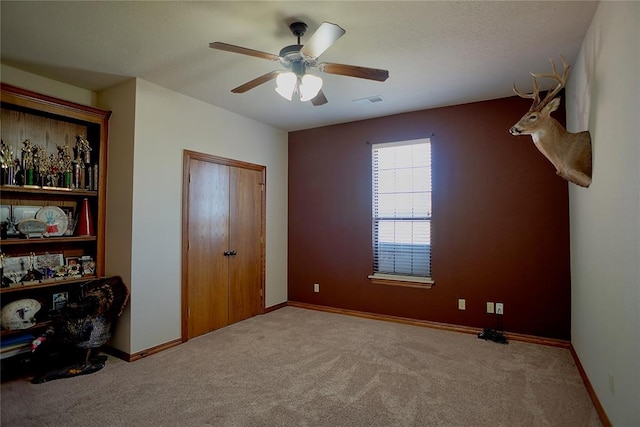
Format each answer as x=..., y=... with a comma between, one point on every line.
x=462, y=304
x=490, y=308
x=499, y=308
x=316, y=287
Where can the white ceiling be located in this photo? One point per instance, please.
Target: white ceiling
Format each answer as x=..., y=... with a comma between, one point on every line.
x=437, y=53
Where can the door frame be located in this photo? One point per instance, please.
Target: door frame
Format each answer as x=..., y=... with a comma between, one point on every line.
x=189, y=155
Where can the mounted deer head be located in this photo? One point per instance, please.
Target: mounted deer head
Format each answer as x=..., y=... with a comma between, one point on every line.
x=570, y=153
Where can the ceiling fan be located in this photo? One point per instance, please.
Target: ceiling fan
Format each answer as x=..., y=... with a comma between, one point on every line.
x=297, y=59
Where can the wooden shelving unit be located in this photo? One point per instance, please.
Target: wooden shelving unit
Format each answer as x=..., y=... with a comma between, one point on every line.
x=51, y=124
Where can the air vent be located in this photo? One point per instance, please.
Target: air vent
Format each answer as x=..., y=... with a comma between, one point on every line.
x=369, y=100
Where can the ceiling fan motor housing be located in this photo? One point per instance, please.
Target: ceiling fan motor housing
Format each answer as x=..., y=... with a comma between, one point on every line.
x=291, y=57
x=291, y=53
x=298, y=29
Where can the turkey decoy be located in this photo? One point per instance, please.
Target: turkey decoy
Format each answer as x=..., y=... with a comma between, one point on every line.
x=87, y=324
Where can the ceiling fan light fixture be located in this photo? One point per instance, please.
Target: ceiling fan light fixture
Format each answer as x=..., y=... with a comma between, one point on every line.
x=286, y=84
x=297, y=58
x=307, y=86
x=310, y=85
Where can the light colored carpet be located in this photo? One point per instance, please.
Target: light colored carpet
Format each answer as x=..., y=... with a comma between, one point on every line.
x=298, y=367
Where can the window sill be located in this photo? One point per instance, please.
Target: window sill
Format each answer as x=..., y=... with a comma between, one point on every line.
x=402, y=281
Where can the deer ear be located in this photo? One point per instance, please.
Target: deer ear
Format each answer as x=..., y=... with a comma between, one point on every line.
x=552, y=106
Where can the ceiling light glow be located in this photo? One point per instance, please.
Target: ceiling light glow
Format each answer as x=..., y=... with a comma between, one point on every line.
x=286, y=85
x=307, y=86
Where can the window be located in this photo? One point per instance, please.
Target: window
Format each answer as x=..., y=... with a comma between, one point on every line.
x=401, y=220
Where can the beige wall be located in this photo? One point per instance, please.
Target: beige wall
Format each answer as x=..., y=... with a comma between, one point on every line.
x=604, y=97
x=45, y=86
x=120, y=99
x=166, y=123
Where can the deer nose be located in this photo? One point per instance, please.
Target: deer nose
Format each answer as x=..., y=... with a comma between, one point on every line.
x=515, y=131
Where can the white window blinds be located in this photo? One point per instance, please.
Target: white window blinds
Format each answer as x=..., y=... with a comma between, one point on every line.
x=402, y=208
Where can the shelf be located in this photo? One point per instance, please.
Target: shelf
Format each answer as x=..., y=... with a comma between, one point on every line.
x=6, y=333
x=47, y=190
x=15, y=352
x=46, y=240
x=48, y=283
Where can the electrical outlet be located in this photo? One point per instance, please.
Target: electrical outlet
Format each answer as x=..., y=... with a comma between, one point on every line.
x=316, y=287
x=499, y=308
x=490, y=308
x=462, y=304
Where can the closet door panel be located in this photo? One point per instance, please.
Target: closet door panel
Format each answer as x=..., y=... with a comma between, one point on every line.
x=208, y=270
x=245, y=234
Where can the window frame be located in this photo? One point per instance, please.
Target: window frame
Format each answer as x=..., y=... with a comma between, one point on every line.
x=422, y=282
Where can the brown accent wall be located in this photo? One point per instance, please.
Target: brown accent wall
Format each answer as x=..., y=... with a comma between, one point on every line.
x=500, y=220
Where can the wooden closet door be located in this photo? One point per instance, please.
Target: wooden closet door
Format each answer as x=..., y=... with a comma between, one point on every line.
x=208, y=232
x=245, y=238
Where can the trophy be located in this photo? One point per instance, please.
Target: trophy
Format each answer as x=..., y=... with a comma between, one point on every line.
x=28, y=165
x=4, y=281
x=42, y=165
x=84, y=149
x=65, y=164
x=32, y=273
x=12, y=231
x=8, y=165
x=83, y=162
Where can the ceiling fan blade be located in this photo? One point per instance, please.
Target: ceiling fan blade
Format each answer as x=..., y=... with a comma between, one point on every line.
x=243, y=50
x=319, y=99
x=354, y=71
x=256, y=82
x=320, y=41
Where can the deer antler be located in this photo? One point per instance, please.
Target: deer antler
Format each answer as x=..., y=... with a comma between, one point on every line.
x=551, y=93
x=534, y=95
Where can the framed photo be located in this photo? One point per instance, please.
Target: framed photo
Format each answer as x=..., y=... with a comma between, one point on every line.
x=5, y=213
x=72, y=260
x=25, y=212
x=49, y=260
x=69, y=213
x=88, y=266
x=60, y=300
x=47, y=264
x=15, y=268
